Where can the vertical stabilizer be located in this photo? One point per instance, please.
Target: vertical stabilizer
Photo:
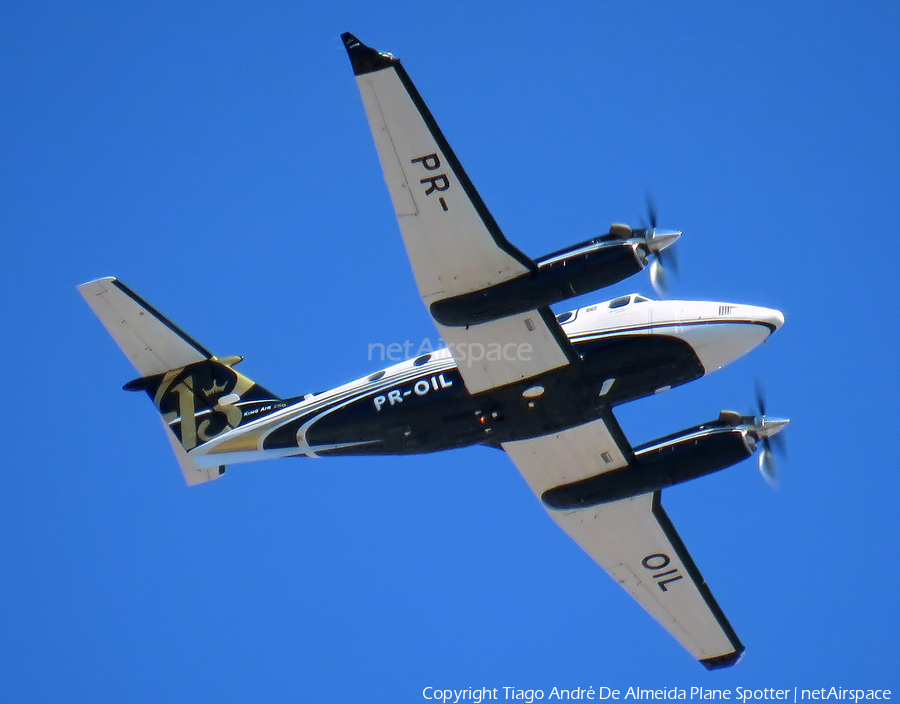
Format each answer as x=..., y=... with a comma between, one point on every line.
x=199, y=396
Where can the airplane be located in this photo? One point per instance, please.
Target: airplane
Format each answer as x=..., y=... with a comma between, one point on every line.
x=513, y=376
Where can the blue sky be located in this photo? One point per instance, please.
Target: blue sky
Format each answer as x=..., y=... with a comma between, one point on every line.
x=216, y=157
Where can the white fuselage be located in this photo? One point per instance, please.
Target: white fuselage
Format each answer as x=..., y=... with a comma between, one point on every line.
x=718, y=332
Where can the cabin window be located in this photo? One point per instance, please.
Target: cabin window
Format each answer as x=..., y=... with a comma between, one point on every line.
x=421, y=360
x=564, y=317
x=376, y=376
x=619, y=302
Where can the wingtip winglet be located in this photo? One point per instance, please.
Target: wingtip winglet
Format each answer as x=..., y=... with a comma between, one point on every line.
x=364, y=59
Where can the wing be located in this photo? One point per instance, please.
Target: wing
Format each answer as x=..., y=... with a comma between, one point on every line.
x=632, y=539
x=453, y=242
x=454, y=245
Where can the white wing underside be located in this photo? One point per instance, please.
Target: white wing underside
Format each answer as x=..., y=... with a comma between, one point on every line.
x=149, y=340
x=449, y=244
x=454, y=245
x=632, y=539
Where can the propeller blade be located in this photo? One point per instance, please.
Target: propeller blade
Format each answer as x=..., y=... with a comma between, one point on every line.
x=768, y=468
x=669, y=257
x=760, y=399
x=651, y=212
x=779, y=442
x=660, y=248
x=658, y=277
x=770, y=432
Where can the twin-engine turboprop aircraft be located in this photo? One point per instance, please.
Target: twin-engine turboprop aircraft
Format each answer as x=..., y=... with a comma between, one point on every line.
x=514, y=375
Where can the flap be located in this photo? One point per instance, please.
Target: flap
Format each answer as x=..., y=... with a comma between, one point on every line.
x=508, y=350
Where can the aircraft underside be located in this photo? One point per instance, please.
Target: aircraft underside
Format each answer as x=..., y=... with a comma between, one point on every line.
x=513, y=376
x=445, y=416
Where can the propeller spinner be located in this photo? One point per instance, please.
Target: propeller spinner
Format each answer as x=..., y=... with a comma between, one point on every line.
x=662, y=252
x=656, y=242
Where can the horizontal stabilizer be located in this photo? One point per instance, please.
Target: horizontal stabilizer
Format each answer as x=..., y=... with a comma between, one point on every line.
x=152, y=342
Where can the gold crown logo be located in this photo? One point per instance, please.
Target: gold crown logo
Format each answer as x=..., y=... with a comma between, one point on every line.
x=215, y=388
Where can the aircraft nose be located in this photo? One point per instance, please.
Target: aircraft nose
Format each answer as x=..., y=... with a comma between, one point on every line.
x=770, y=317
x=723, y=332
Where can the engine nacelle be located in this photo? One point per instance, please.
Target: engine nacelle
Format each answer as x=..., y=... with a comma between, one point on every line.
x=565, y=274
x=665, y=462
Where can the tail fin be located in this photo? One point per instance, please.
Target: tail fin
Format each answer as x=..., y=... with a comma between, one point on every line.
x=198, y=395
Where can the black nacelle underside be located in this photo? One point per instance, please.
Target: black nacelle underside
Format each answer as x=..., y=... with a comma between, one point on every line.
x=677, y=461
x=550, y=283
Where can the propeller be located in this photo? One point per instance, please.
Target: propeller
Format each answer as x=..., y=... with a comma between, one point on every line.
x=767, y=431
x=660, y=244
